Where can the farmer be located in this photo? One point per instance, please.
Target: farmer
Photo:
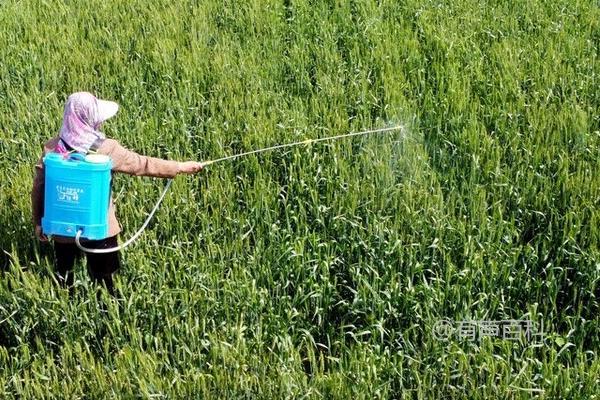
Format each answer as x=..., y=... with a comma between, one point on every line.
x=80, y=132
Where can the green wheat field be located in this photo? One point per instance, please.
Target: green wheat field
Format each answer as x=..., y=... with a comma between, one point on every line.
x=320, y=271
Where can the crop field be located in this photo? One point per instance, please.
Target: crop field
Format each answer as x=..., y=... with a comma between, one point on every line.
x=350, y=269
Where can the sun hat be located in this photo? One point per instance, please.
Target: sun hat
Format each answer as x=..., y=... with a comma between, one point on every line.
x=81, y=120
x=106, y=109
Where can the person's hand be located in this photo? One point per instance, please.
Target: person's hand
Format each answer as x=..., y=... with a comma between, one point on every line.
x=190, y=167
x=39, y=234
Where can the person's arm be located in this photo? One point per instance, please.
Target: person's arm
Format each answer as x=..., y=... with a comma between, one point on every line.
x=132, y=163
x=37, y=199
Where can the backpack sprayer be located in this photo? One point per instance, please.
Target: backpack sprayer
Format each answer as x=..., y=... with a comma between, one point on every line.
x=77, y=192
x=76, y=195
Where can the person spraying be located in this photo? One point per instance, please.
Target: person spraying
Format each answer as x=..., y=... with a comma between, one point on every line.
x=80, y=133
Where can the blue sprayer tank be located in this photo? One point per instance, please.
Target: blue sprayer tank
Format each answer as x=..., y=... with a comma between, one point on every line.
x=76, y=195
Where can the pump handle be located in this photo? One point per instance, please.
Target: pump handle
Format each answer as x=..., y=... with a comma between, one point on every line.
x=76, y=156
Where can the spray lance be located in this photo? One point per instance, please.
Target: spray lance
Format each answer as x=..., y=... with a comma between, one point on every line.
x=79, y=233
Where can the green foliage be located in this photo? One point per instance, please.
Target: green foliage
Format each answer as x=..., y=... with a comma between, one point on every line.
x=318, y=271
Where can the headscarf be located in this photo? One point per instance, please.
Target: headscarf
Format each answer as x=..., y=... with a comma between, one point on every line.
x=81, y=120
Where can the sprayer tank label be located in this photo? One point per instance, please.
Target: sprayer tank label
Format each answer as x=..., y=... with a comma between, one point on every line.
x=68, y=194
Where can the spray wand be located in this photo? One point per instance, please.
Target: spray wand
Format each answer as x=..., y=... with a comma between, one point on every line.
x=218, y=160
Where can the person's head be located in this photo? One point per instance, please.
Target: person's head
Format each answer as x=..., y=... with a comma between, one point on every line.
x=83, y=116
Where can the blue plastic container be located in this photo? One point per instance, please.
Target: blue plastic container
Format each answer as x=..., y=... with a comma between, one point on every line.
x=77, y=195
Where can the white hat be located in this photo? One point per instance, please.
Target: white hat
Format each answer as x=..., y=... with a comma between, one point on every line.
x=106, y=109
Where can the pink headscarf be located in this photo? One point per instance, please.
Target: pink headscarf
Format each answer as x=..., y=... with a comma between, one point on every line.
x=82, y=118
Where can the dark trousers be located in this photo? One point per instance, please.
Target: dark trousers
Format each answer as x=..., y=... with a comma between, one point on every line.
x=100, y=266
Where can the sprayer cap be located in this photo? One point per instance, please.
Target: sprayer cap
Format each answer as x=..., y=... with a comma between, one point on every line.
x=97, y=158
